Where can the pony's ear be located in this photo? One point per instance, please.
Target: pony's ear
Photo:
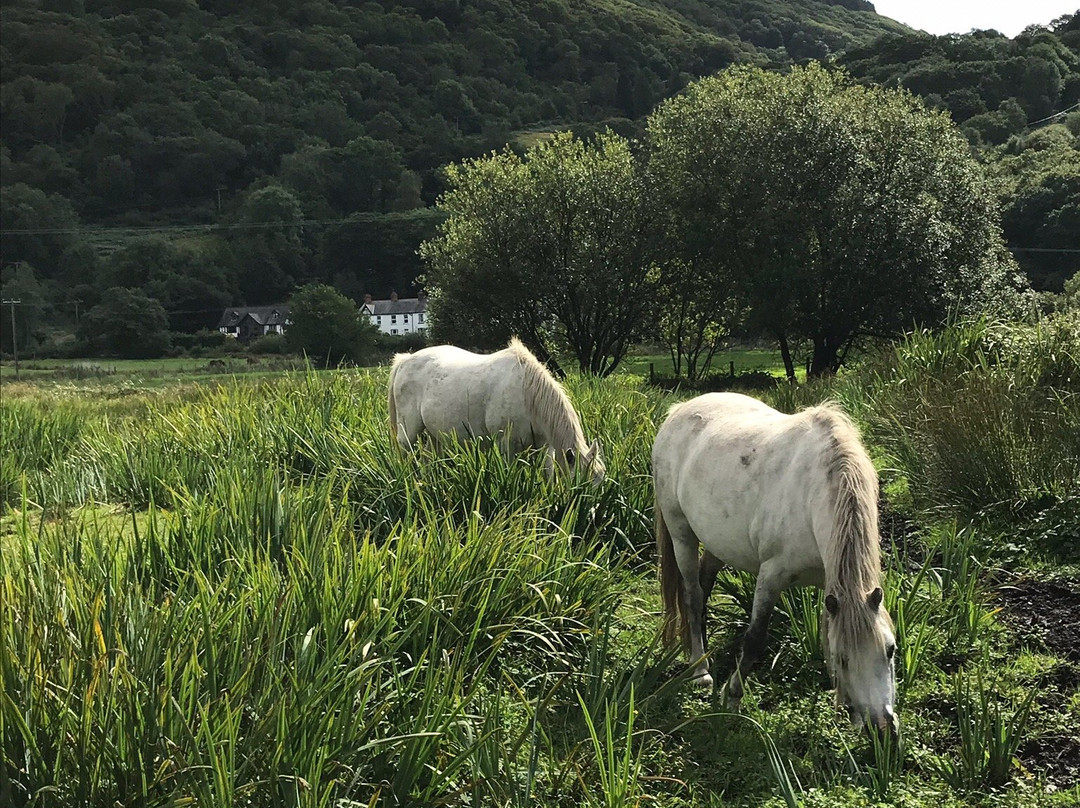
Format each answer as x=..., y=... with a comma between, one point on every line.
x=549, y=463
x=593, y=453
x=832, y=604
x=873, y=600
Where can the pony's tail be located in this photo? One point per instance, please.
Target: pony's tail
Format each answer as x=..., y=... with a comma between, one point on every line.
x=675, y=624
x=391, y=404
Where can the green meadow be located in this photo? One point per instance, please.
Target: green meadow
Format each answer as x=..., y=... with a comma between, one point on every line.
x=231, y=589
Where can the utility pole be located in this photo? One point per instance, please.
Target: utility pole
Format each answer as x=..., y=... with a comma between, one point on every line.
x=14, y=301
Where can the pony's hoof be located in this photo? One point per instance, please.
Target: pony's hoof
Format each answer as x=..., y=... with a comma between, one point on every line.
x=732, y=703
x=703, y=681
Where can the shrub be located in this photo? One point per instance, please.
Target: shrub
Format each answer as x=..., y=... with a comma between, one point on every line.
x=269, y=344
x=982, y=416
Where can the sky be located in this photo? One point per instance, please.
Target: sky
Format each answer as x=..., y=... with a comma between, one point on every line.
x=1009, y=17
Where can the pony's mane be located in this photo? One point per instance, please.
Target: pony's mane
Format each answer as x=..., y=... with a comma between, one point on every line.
x=853, y=559
x=547, y=402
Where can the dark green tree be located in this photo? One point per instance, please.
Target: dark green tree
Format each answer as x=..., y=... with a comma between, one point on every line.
x=328, y=327
x=554, y=247
x=187, y=282
x=268, y=244
x=38, y=228
x=850, y=212
x=20, y=282
x=1040, y=192
x=127, y=323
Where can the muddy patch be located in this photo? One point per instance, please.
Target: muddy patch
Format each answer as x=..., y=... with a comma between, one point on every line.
x=1055, y=757
x=1044, y=613
x=900, y=537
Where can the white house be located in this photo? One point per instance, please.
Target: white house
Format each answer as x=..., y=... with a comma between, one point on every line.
x=397, y=316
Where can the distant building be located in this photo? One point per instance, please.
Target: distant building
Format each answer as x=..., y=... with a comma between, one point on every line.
x=398, y=315
x=250, y=322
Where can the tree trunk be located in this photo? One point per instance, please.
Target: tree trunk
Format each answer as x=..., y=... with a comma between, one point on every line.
x=824, y=361
x=540, y=351
x=785, y=352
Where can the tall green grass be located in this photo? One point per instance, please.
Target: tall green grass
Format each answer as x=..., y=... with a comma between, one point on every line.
x=981, y=418
x=284, y=656
x=245, y=595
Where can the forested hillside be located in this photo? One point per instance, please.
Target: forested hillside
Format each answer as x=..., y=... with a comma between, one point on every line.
x=311, y=134
x=1017, y=101
x=214, y=152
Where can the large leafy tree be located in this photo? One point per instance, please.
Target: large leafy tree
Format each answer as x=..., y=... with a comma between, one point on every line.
x=269, y=249
x=1040, y=190
x=327, y=326
x=127, y=323
x=20, y=282
x=185, y=280
x=38, y=228
x=553, y=247
x=848, y=212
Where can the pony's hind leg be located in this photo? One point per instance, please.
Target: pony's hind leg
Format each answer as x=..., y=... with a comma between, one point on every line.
x=710, y=566
x=770, y=583
x=407, y=444
x=685, y=545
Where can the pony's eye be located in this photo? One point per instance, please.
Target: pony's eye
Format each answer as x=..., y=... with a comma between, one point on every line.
x=890, y=651
x=843, y=662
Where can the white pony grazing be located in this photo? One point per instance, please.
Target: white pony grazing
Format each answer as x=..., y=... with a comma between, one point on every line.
x=506, y=395
x=792, y=499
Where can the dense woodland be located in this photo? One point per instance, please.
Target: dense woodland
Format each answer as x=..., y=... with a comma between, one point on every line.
x=211, y=153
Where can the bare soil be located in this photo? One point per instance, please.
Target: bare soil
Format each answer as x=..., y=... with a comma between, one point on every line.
x=1046, y=615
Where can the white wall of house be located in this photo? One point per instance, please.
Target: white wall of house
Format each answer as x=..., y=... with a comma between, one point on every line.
x=399, y=323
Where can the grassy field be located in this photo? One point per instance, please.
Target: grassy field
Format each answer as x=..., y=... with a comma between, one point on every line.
x=743, y=360
x=238, y=593
x=143, y=372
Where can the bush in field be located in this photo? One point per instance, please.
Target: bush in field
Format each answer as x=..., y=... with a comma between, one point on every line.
x=269, y=344
x=127, y=323
x=200, y=342
x=327, y=326
x=981, y=416
x=390, y=344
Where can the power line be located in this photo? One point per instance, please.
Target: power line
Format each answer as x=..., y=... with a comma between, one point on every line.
x=1045, y=249
x=361, y=218
x=1054, y=115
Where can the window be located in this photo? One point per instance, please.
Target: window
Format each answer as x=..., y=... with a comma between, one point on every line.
x=393, y=319
x=405, y=318
x=421, y=316
x=393, y=330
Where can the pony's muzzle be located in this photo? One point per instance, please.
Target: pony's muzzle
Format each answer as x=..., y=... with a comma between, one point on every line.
x=885, y=723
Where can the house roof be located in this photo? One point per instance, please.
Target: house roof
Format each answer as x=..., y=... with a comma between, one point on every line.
x=403, y=305
x=263, y=315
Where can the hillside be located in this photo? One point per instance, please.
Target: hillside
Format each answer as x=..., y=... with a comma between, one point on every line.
x=172, y=109
x=1018, y=101
x=219, y=152
x=308, y=137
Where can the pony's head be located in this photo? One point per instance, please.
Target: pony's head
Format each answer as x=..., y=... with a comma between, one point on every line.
x=579, y=462
x=859, y=648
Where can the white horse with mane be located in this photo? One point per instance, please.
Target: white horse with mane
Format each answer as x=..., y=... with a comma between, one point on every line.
x=507, y=395
x=793, y=500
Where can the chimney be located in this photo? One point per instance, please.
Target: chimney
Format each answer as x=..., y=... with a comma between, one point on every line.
x=367, y=298
x=421, y=296
x=393, y=296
